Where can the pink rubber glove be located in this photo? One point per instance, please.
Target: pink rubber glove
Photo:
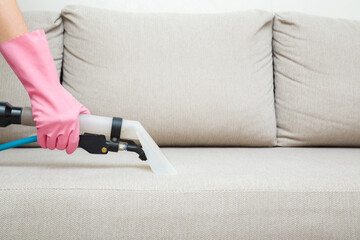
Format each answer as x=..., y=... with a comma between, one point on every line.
x=56, y=111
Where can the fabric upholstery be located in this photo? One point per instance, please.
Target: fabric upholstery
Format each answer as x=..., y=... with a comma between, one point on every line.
x=190, y=79
x=11, y=89
x=218, y=193
x=317, y=80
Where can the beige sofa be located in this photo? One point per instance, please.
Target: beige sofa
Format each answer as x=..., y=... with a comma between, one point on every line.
x=258, y=112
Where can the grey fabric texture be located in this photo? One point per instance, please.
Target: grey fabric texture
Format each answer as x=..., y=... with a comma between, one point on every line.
x=218, y=193
x=11, y=89
x=190, y=79
x=317, y=80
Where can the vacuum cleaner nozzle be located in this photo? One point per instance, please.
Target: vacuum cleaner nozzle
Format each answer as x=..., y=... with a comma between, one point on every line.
x=101, y=135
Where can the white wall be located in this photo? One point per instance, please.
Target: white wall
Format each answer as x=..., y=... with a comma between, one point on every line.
x=332, y=8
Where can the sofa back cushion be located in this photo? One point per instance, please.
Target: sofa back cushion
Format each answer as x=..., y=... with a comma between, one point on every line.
x=190, y=79
x=317, y=80
x=11, y=89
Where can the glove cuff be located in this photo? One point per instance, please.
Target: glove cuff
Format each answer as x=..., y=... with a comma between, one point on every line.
x=30, y=58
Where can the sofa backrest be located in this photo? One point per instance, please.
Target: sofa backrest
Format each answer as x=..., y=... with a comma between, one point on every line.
x=208, y=79
x=317, y=79
x=190, y=79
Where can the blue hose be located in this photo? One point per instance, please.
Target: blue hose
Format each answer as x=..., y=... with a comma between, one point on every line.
x=17, y=143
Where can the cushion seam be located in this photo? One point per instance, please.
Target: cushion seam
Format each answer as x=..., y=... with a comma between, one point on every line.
x=171, y=191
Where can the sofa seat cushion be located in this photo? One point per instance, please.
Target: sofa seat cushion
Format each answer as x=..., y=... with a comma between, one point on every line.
x=218, y=193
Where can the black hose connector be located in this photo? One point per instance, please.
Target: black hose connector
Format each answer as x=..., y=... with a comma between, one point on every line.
x=9, y=114
x=132, y=147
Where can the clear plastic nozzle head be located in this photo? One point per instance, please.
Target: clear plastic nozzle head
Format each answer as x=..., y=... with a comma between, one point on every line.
x=131, y=130
x=157, y=160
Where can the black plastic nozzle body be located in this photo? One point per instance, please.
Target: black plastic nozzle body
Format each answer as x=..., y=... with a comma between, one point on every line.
x=9, y=114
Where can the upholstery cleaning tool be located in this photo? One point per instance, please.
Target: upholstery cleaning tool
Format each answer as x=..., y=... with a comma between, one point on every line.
x=100, y=135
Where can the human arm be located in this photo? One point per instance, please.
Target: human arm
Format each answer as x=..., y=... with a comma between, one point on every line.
x=55, y=110
x=12, y=22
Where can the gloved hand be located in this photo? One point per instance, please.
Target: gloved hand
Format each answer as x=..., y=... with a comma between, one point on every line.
x=55, y=111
